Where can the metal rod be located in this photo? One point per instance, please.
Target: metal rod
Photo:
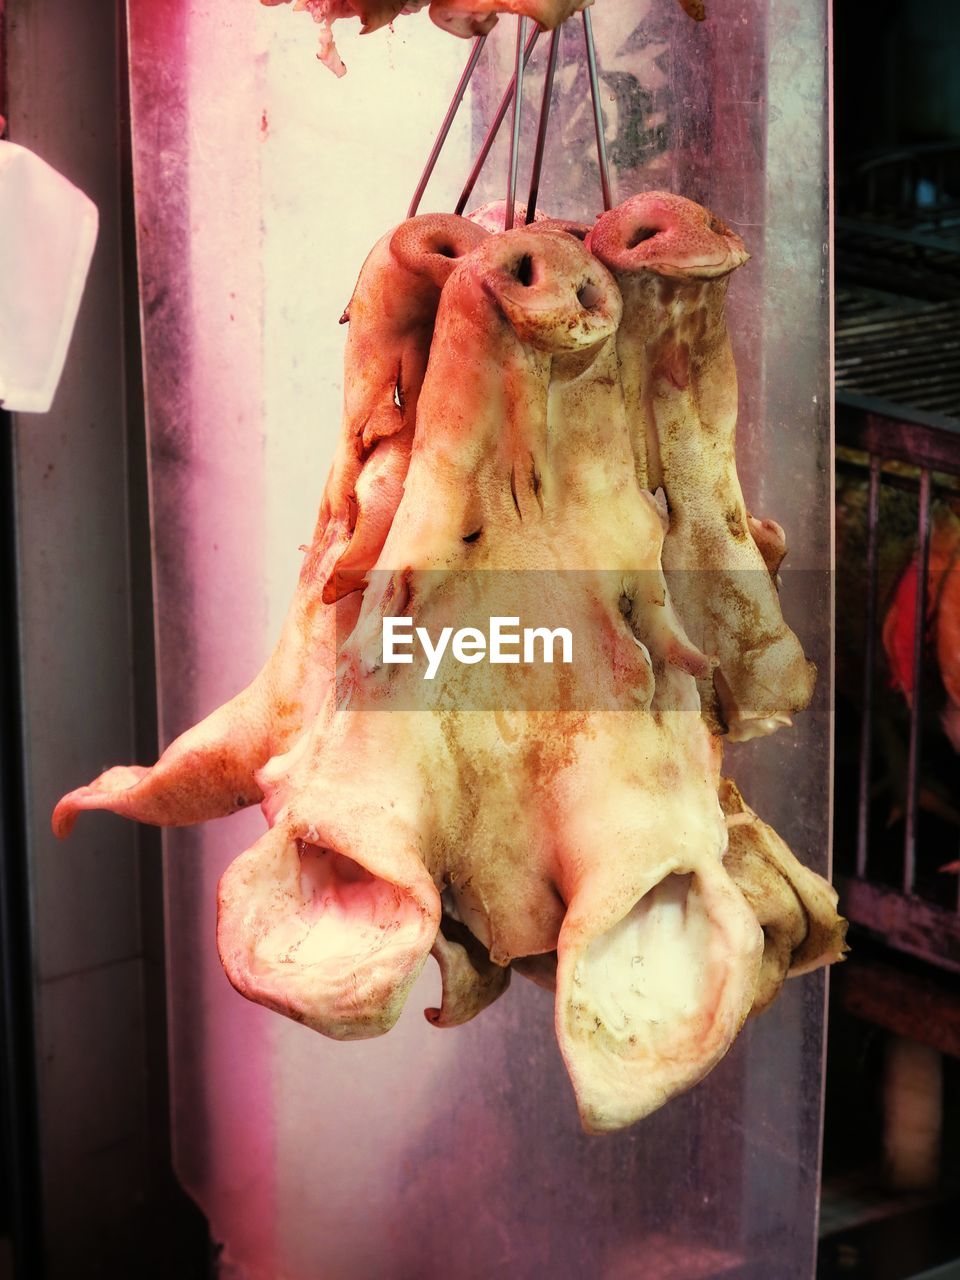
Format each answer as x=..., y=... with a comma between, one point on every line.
x=514, y=161
x=494, y=129
x=916, y=705
x=597, y=109
x=542, y=124
x=448, y=119
x=900, y=365
x=869, y=667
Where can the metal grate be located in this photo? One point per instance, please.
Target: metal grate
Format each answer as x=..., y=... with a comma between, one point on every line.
x=900, y=352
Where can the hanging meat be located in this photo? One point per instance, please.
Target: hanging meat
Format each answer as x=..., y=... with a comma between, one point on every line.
x=796, y=908
x=505, y=427
x=463, y=18
x=210, y=770
x=672, y=260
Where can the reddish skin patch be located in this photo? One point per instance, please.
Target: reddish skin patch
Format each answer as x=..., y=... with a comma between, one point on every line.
x=940, y=612
x=674, y=366
x=898, y=632
x=264, y=124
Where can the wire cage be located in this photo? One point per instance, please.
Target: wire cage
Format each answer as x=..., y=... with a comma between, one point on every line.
x=898, y=428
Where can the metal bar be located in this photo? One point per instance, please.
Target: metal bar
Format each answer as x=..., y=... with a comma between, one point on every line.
x=448, y=119
x=925, y=380
x=542, y=124
x=894, y=421
x=902, y=483
x=948, y=401
x=912, y=325
x=873, y=231
x=494, y=129
x=597, y=109
x=908, y=385
x=916, y=706
x=914, y=328
x=874, y=361
x=893, y=311
x=904, y=338
x=514, y=161
x=870, y=661
x=913, y=925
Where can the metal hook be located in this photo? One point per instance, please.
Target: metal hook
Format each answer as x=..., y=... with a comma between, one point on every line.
x=448, y=119
x=597, y=109
x=542, y=124
x=519, y=67
x=494, y=128
x=514, y=95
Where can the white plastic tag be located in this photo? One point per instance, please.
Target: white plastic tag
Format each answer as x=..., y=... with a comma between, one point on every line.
x=48, y=229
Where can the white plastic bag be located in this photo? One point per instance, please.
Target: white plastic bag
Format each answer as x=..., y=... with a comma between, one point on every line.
x=48, y=229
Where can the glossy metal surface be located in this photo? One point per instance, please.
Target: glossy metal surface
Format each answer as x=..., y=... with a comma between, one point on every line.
x=262, y=183
x=445, y=127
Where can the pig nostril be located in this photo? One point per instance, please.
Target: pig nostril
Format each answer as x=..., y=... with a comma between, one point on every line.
x=445, y=250
x=589, y=295
x=641, y=234
x=523, y=270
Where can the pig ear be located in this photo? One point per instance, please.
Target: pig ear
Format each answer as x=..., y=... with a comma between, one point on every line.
x=471, y=980
x=771, y=542
x=432, y=244
x=378, y=491
x=796, y=908
x=648, y=1003
x=333, y=939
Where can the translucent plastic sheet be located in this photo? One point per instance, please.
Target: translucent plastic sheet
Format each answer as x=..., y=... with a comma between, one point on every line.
x=261, y=184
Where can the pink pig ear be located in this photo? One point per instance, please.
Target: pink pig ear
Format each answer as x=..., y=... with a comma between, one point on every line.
x=333, y=939
x=378, y=491
x=471, y=981
x=648, y=1003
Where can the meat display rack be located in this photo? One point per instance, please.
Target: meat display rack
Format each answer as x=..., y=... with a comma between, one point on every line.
x=897, y=353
